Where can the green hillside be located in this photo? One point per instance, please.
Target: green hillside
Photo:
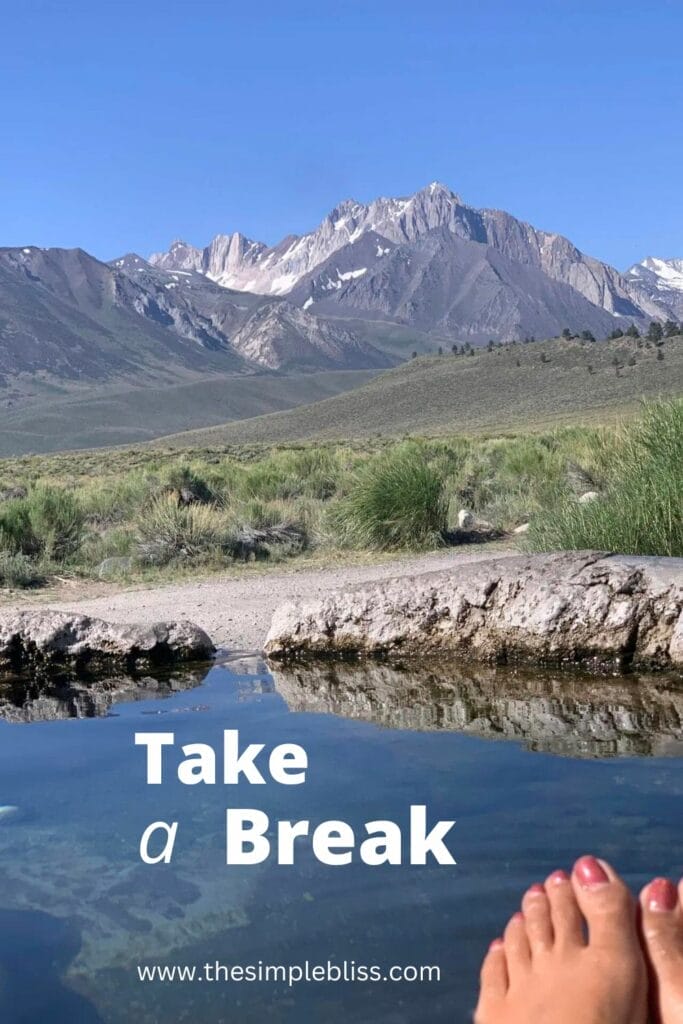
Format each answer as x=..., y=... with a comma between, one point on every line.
x=57, y=419
x=521, y=386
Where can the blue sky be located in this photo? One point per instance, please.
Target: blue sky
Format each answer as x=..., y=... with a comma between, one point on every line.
x=126, y=124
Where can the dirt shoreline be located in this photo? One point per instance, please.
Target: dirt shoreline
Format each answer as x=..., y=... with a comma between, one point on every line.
x=236, y=610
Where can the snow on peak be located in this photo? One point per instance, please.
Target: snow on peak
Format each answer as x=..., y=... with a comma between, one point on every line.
x=237, y=262
x=668, y=272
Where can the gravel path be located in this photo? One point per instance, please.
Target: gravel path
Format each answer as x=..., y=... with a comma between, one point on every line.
x=236, y=610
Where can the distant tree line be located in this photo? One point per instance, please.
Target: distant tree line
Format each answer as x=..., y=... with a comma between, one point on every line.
x=655, y=334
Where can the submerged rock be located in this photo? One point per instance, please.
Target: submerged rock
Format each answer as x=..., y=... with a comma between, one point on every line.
x=48, y=639
x=576, y=607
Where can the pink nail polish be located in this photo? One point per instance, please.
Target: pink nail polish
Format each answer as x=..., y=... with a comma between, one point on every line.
x=536, y=888
x=519, y=916
x=662, y=896
x=496, y=944
x=590, y=873
x=558, y=877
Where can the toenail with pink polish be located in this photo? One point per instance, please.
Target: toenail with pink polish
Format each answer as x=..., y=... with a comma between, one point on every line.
x=536, y=889
x=590, y=872
x=496, y=944
x=558, y=877
x=661, y=895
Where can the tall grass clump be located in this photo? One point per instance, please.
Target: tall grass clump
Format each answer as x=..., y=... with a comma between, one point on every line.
x=47, y=524
x=640, y=510
x=17, y=570
x=397, y=500
x=171, y=530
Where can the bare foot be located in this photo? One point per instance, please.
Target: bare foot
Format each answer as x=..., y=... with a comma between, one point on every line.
x=662, y=924
x=547, y=971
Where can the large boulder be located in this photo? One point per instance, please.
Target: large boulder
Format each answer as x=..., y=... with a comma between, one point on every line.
x=576, y=607
x=46, y=639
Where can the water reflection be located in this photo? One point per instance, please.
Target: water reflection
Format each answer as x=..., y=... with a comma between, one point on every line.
x=556, y=712
x=553, y=711
x=24, y=699
x=379, y=738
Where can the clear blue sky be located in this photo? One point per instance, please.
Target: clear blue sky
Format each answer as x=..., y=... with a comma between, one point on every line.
x=126, y=124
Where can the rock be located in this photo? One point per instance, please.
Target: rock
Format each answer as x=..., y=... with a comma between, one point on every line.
x=154, y=552
x=472, y=530
x=523, y=528
x=587, y=497
x=571, y=607
x=113, y=566
x=40, y=640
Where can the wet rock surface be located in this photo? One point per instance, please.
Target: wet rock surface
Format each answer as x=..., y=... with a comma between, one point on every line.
x=585, y=608
x=47, y=640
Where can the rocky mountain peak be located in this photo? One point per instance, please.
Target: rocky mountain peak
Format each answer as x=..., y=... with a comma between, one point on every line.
x=180, y=256
x=237, y=262
x=658, y=281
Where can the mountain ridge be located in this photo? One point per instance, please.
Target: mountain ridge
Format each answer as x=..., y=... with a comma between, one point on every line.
x=238, y=262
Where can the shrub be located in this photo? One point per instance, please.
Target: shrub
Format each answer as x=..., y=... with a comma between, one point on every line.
x=56, y=520
x=187, y=485
x=640, y=511
x=396, y=500
x=16, y=535
x=117, y=499
x=115, y=542
x=310, y=473
x=17, y=570
x=185, y=530
x=48, y=523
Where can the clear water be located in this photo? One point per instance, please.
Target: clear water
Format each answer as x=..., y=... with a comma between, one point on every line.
x=535, y=769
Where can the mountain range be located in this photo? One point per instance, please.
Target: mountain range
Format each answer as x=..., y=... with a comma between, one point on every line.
x=370, y=285
x=432, y=261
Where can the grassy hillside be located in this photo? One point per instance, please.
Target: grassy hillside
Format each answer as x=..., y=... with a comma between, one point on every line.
x=521, y=386
x=144, y=513
x=56, y=419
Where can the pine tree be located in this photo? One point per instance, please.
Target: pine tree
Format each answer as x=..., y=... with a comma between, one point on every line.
x=655, y=332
